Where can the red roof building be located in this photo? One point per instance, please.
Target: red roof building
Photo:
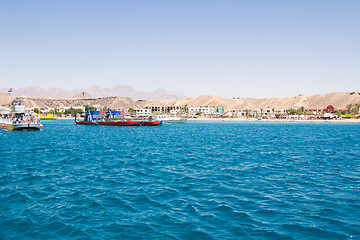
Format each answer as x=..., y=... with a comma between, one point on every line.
x=329, y=107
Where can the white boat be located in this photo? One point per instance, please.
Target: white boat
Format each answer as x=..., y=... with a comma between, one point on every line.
x=19, y=119
x=170, y=119
x=263, y=119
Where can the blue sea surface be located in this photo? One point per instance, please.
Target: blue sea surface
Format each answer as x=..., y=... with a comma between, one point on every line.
x=198, y=180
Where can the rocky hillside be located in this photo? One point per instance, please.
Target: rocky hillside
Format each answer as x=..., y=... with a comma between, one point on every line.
x=338, y=100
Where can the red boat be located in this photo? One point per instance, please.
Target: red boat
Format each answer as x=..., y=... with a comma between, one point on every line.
x=114, y=118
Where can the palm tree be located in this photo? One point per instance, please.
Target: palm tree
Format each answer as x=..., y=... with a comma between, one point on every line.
x=349, y=106
x=247, y=113
x=302, y=110
x=357, y=107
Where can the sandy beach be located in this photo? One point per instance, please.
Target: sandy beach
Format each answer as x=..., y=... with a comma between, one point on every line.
x=273, y=120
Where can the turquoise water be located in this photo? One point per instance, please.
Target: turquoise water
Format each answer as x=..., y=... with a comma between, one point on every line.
x=199, y=180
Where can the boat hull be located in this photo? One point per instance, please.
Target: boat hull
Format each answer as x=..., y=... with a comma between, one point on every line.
x=170, y=119
x=120, y=123
x=22, y=127
x=151, y=123
x=175, y=121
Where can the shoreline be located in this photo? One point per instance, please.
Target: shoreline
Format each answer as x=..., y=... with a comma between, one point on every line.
x=66, y=118
x=251, y=120
x=273, y=120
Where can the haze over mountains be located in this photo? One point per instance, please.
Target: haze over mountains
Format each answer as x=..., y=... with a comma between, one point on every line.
x=124, y=96
x=94, y=91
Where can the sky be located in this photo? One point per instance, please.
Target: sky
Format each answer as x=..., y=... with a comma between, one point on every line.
x=229, y=48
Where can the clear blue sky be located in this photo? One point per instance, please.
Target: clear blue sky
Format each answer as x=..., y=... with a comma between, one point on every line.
x=227, y=48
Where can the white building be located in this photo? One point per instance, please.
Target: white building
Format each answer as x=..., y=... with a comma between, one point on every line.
x=5, y=111
x=143, y=111
x=175, y=112
x=234, y=113
x=204, y=110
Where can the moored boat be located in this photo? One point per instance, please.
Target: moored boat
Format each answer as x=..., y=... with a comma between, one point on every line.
x=114, y=118
x=47, y=117
x=19, y=119
x=170, y=119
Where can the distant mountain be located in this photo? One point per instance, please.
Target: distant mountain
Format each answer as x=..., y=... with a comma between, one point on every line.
x=84, y=95
x=94, y=91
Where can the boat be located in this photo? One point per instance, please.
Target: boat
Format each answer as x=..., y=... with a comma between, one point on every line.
x=170, y=119
x=19, y=119
x=263, y=119
x=114, y=118
x=47, y=117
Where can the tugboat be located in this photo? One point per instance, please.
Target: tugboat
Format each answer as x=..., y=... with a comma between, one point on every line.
x=19, y=119
x=114, y=118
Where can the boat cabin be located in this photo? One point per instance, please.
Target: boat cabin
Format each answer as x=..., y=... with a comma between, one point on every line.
x=99, y=115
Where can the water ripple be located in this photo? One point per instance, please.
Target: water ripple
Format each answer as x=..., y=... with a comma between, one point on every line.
x=200, y=180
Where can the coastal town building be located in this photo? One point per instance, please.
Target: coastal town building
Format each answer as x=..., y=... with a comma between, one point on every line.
x=232, y=113
x=219, y=109
x=143, y=111
x=5, y=111
x=156, y=108
x=204, y=111
x=175, y=112
x=255, y=113
x=167, y=109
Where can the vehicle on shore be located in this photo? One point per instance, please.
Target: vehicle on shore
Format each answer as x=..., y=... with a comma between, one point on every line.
x=114, y=118
x=19, y=119
x=170, y=119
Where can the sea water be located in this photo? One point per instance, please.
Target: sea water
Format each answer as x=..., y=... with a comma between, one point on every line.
x=198, y=180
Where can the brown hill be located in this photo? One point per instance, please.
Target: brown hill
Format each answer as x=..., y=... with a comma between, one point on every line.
x=338, y=100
